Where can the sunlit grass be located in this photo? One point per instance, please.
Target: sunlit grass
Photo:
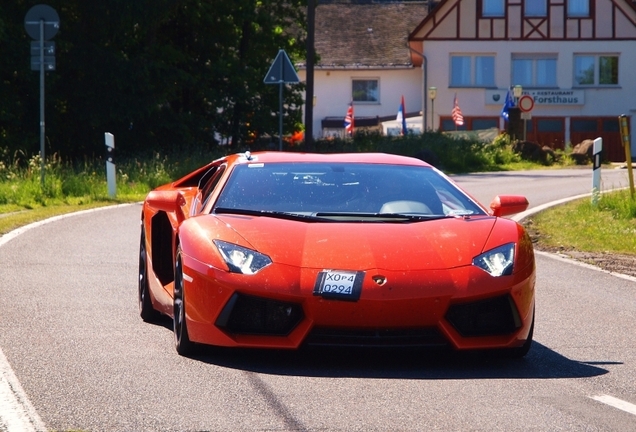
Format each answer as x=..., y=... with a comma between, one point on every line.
x=610, y=226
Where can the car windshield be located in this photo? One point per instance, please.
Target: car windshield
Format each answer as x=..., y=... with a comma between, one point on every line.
x=332, y=189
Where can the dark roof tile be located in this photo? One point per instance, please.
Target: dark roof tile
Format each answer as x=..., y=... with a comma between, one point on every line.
x=350, y=35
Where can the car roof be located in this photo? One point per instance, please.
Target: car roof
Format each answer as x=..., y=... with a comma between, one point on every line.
x=373, y=158
x=192, y=179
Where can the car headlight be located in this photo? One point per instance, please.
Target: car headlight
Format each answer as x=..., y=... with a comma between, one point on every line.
x=497, y=261
x=240, y=259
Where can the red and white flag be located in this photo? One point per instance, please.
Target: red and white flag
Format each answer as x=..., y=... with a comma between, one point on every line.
x=348, y=121
x=457, y=115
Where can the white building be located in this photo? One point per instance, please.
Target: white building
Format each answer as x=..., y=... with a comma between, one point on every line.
x=575, y=57
x=363, y=57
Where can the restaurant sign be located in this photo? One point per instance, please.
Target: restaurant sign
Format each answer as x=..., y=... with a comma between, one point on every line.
x=548, y=97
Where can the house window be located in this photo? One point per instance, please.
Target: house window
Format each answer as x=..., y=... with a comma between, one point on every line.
x=592, y=70
x=472, y=71
x=534, y=71
x=583, y=125
x=365, y=90
x=578, y=8
x=493, y=8
x=536, y=8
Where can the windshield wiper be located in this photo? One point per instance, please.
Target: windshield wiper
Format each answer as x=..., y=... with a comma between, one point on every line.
x=381, y=217
x=271, y=213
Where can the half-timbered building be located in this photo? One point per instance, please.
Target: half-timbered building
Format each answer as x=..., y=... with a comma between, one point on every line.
x=576, y=58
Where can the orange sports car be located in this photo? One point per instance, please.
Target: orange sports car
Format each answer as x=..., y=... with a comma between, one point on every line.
x=280, y=250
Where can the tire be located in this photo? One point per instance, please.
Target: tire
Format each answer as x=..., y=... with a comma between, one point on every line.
x=182, y=342
x=521, y=351
x=146, y=311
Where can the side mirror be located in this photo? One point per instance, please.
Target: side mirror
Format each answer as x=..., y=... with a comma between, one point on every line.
x=506, y=205
x=167, y=201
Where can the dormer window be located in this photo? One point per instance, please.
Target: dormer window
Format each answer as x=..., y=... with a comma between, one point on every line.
x=536, y=8
x=493, y=8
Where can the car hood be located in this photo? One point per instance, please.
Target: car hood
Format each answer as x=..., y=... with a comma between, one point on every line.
x=434, y=244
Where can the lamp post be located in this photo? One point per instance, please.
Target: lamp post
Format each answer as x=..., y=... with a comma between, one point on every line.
x=432, y=93
x=517, y=91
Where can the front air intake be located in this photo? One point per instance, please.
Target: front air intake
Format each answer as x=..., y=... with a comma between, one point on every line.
x=245, y=314
x=491, y=317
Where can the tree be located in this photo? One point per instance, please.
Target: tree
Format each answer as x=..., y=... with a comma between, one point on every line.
x=158, y=74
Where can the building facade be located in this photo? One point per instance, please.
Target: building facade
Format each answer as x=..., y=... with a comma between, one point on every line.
x=576, y=58
x=363, y=58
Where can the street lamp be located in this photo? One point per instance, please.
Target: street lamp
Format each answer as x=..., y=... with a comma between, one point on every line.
x=517, y=91
x=432, y=93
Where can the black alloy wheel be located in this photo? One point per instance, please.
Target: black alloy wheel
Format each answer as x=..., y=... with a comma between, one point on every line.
x=182, y=341
x=146, y=311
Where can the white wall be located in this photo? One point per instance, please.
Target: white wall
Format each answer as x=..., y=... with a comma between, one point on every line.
x=598, y=101
x=332, y=89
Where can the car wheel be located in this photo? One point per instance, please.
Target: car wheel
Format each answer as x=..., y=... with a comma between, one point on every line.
x=521, y=351
x=182, y=341
x=146, y=311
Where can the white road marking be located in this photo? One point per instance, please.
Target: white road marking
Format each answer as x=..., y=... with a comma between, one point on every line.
x=16, y=412
x=616, y=403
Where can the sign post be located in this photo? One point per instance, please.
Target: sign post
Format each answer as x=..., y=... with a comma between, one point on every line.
x=280, y=72
x=596, y=177
x=626, y=142
x=526, y=104
x=42, y=23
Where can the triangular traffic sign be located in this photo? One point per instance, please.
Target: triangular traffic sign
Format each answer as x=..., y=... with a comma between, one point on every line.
x=281, y=70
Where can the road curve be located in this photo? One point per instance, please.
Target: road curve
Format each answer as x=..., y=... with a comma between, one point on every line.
x=69, y=328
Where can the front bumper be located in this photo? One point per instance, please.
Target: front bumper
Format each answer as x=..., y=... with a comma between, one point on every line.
x=464, y=308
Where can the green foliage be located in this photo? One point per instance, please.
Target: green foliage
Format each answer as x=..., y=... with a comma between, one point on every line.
x=620, y=204
x=452, y=154
x=608, y=226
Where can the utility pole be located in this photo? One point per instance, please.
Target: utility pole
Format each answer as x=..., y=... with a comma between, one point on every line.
x=309, y=89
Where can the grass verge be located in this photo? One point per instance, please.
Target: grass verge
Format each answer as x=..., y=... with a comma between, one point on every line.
x=14, y=217
x=608, y=227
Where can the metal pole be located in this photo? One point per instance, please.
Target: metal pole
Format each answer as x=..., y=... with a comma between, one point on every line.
x=42, y=101
x=309, y=90
x=433, y=115
x=280, y=116
x=423, y=98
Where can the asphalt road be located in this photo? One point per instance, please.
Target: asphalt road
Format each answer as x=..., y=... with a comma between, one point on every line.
x=70, y=330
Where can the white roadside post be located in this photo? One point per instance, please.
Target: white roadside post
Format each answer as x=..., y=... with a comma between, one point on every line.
x=596, y=178
x=110, y=165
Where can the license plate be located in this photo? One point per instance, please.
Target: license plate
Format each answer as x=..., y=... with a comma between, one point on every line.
x=339, y=284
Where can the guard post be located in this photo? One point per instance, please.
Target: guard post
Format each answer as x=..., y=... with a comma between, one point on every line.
x=596, y=178
x=626, y=142
x=110, y=164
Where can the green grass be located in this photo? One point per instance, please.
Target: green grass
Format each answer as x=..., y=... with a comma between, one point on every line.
x=610, y=226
